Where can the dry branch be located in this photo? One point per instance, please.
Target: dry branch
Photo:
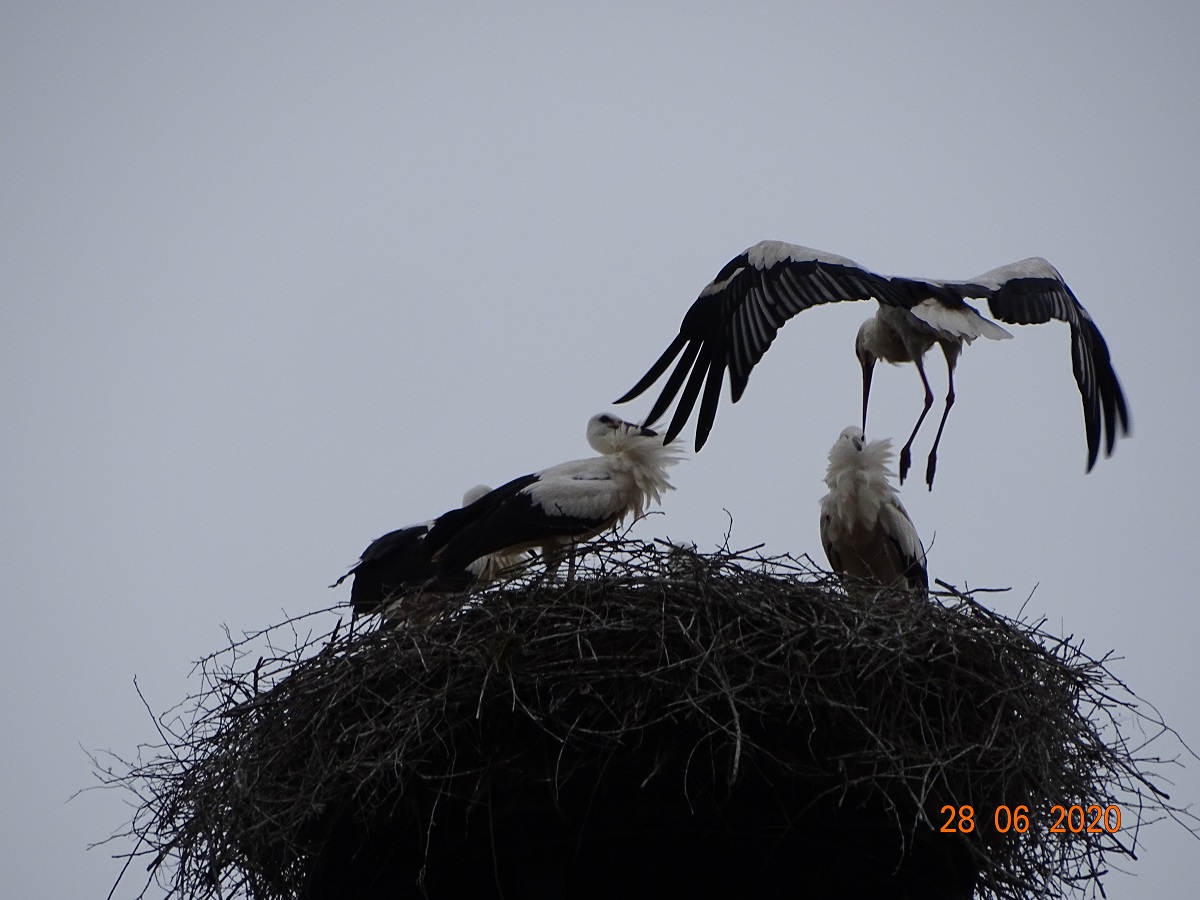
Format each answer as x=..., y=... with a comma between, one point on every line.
x=737, y=665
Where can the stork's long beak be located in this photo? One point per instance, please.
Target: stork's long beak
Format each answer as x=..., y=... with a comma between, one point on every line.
x=868, y=367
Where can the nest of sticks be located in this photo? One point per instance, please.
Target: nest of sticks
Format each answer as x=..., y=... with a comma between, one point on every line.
x=693, y=674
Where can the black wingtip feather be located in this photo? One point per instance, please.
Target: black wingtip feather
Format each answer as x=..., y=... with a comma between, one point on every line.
x=737, y=386
x=671, y=388
x=449, y=524
x=1105, y=413
x=711, y=398
x=687, y=400
x=915, y=572
x=656, y=370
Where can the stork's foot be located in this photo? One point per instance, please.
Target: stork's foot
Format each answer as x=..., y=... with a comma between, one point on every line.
x=905, y=463
x=930, y=468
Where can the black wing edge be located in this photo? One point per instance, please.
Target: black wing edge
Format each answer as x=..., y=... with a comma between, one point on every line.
x=451, y=523
x=655, y=372
x=915, y=571
x=394, y=541
x=698, y=357
x=1105, y=412
x=702, y=347
x=1024, y=302
x=511, y=523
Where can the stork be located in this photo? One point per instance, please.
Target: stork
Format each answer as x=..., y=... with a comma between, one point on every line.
x=558, y=507
x=398, y=562
x=736, y=317
x=865, y=529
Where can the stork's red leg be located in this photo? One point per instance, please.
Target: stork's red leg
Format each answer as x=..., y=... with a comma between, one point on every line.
x=906, y=450
x=951, y=351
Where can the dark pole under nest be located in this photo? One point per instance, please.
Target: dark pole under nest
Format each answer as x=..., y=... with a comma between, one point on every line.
x=636, y=823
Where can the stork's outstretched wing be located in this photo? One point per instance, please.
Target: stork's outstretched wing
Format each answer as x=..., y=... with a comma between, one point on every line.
x=1032, y=291
x=736, y=317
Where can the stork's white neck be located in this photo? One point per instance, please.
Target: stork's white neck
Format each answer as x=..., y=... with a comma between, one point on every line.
x=859, y=481
x=640, y=469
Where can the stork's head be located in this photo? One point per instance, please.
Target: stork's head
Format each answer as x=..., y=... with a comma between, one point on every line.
x=851, y=437
x=475, y=493
x=863, y=342
x=609, y=434
x=853, y=454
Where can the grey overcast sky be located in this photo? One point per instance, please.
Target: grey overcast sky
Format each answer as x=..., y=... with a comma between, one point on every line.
x=277, y=278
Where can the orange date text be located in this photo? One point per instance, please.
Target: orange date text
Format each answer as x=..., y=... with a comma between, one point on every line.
x=1076, y=819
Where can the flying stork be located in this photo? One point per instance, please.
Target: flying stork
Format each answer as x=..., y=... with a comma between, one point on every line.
x=865, y=529
x=558, y=507
x=398, y=562
x=736, y=317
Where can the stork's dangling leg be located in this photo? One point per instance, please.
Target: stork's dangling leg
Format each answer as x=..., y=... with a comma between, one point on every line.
x=571, y=563
x=952, y=351
x=552, y=556
x=906, y=450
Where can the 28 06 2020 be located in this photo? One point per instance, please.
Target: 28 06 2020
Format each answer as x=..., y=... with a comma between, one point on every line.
x=1075, y=819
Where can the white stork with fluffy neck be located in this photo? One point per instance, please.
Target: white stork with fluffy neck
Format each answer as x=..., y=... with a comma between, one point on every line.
x=737, y=315
x=865, y=529
x=558, y=507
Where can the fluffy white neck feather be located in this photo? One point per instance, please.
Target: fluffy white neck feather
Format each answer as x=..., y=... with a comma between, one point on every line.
x=859, y=481
x=640, y=466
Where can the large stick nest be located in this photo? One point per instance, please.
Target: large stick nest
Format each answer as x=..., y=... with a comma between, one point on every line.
x=697, y=672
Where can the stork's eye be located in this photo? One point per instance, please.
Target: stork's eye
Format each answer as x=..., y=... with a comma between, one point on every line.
x=607, y=420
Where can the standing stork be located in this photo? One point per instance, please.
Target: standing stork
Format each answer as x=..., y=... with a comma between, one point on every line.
x=736, y=317
x=398, y=562
x=563, y=505
x=865, y=529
